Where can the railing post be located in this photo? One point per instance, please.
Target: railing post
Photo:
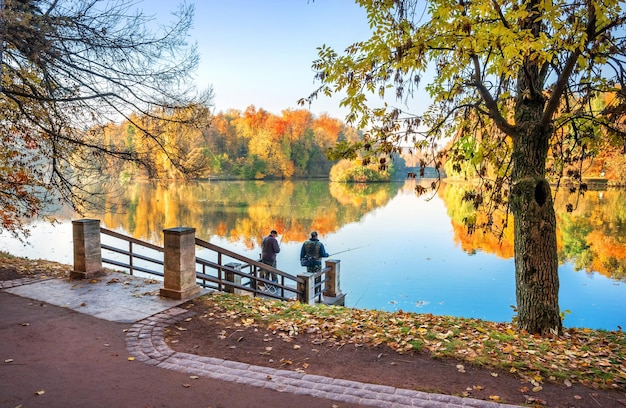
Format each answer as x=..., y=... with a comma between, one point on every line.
x=332, y=288
x=306, y=286
x=87, y=250
x=179, y=259
x=234, y=278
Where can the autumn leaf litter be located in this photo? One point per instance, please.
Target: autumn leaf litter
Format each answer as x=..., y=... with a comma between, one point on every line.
x=594, y=358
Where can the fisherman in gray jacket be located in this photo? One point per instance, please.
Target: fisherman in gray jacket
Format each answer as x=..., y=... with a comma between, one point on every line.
x=269, y=249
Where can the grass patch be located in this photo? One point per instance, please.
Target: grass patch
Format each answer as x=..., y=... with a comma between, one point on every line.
x=6, y=255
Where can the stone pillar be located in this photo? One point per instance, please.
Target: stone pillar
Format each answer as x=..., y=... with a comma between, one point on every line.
x=307, y=286
x=87, y=250
x=234, y=278
x=332, y=288
x=179, y=259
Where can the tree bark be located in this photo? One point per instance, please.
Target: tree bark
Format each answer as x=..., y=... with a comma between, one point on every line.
x=536, y=259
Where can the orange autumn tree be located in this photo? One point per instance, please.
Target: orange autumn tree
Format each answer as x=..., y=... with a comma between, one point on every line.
x=290, y=145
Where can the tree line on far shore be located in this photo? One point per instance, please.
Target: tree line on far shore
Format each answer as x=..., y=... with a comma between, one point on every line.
x=253, y=144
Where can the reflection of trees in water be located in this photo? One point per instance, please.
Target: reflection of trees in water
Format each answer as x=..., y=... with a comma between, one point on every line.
x=487, y=241
x=244, y=211
x=367, y=196
x=592, y=237
x=594, y=234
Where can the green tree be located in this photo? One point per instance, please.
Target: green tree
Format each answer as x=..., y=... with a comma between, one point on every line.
x=513, y=77
x=68, y=69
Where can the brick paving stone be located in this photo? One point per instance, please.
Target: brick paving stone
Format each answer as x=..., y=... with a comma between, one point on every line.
x=261, y=369
x=346, y=383
x=349, y=399
x=236, y=365
x=317, y=378
x=361, y=393
x=299, y=383
x=22, y=281
x=383, y=389
x=327, y=387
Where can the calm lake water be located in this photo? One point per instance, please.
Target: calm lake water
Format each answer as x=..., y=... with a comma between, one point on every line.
x=397, y=250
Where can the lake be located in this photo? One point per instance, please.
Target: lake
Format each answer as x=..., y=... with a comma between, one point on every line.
x=398, y=251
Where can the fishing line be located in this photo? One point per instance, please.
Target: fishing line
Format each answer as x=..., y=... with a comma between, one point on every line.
x=359, y=299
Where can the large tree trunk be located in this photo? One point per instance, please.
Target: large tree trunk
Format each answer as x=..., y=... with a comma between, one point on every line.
x=536, y=262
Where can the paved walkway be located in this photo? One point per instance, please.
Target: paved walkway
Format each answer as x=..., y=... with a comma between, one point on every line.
x=125, y=299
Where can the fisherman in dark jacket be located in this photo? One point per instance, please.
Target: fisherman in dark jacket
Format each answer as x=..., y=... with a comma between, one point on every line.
x=313, y=248
x=269, y=249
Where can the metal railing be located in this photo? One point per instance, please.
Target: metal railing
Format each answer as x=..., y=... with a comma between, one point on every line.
x=232, y=272
x=147, y=263
x=226, y=271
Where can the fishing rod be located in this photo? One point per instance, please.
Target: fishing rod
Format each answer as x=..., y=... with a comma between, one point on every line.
x=348, y=250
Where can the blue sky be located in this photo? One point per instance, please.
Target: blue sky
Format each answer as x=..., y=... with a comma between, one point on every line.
x=259, y=52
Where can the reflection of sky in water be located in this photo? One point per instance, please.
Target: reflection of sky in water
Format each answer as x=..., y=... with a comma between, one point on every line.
x=402, y=257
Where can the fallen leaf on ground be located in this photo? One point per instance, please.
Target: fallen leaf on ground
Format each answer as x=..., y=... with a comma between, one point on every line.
x=535, y=400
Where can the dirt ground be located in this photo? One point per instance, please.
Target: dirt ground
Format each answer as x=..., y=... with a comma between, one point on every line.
x=214, y=333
